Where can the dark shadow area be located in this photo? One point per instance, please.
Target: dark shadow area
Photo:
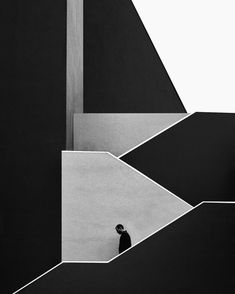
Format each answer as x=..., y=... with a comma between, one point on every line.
x=194, y=255
x=122, y=70
x=33, y=105
x=195, y=159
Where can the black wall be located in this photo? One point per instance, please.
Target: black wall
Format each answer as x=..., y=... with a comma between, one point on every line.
x=122, y=70
x=33, y=125
x=195, y=159
x=188, y=256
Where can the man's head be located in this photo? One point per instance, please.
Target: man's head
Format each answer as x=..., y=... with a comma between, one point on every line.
x=119, y=228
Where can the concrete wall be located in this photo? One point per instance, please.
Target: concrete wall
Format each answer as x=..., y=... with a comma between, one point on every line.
x=118, y=133
x=74, y=78
x=100, y=191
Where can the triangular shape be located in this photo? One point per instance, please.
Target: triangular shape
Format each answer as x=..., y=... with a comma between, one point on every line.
x=122, y=70
x=194, y=159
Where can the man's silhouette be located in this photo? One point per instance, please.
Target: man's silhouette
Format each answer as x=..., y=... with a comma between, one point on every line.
x=125, y=239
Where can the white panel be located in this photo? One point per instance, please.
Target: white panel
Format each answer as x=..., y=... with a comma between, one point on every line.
x=98, y=192
x=118, y=133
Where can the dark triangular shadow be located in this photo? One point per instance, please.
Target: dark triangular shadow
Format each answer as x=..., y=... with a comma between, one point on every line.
x=122, y=70
x=194, y=159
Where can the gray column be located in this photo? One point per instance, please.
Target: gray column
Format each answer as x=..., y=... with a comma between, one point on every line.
x=74, y=101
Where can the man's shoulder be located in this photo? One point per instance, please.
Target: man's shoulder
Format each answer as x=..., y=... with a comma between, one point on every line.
x=125, y=234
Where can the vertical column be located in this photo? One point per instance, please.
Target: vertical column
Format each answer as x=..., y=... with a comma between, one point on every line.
x=74, y=99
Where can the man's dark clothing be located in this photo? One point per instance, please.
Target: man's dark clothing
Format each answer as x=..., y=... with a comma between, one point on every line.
x=125, y=242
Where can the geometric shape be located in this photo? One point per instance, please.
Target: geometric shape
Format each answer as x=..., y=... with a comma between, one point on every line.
x=194, y=252
x=118, y=133
x=98, y=192
x=122, y=70
x=195, y=159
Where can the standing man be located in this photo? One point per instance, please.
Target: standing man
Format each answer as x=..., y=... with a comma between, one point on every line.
x=125, y=239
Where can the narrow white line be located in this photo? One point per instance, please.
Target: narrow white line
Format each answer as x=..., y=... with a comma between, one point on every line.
x=86, y=152
x=156, y=232
x=38, y=278
x=123, y=162
x=219, y=202
x=90, y=262
x=214, y=112
x=160, y=132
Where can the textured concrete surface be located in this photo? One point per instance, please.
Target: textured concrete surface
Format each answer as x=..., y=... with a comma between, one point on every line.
x=100, y=191
x=118, y=133
x=74, y=78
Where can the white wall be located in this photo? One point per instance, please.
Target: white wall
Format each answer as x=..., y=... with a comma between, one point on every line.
x=118, y=133
x=100, y=191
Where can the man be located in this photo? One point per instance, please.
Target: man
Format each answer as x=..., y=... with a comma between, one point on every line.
x=125, y=239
